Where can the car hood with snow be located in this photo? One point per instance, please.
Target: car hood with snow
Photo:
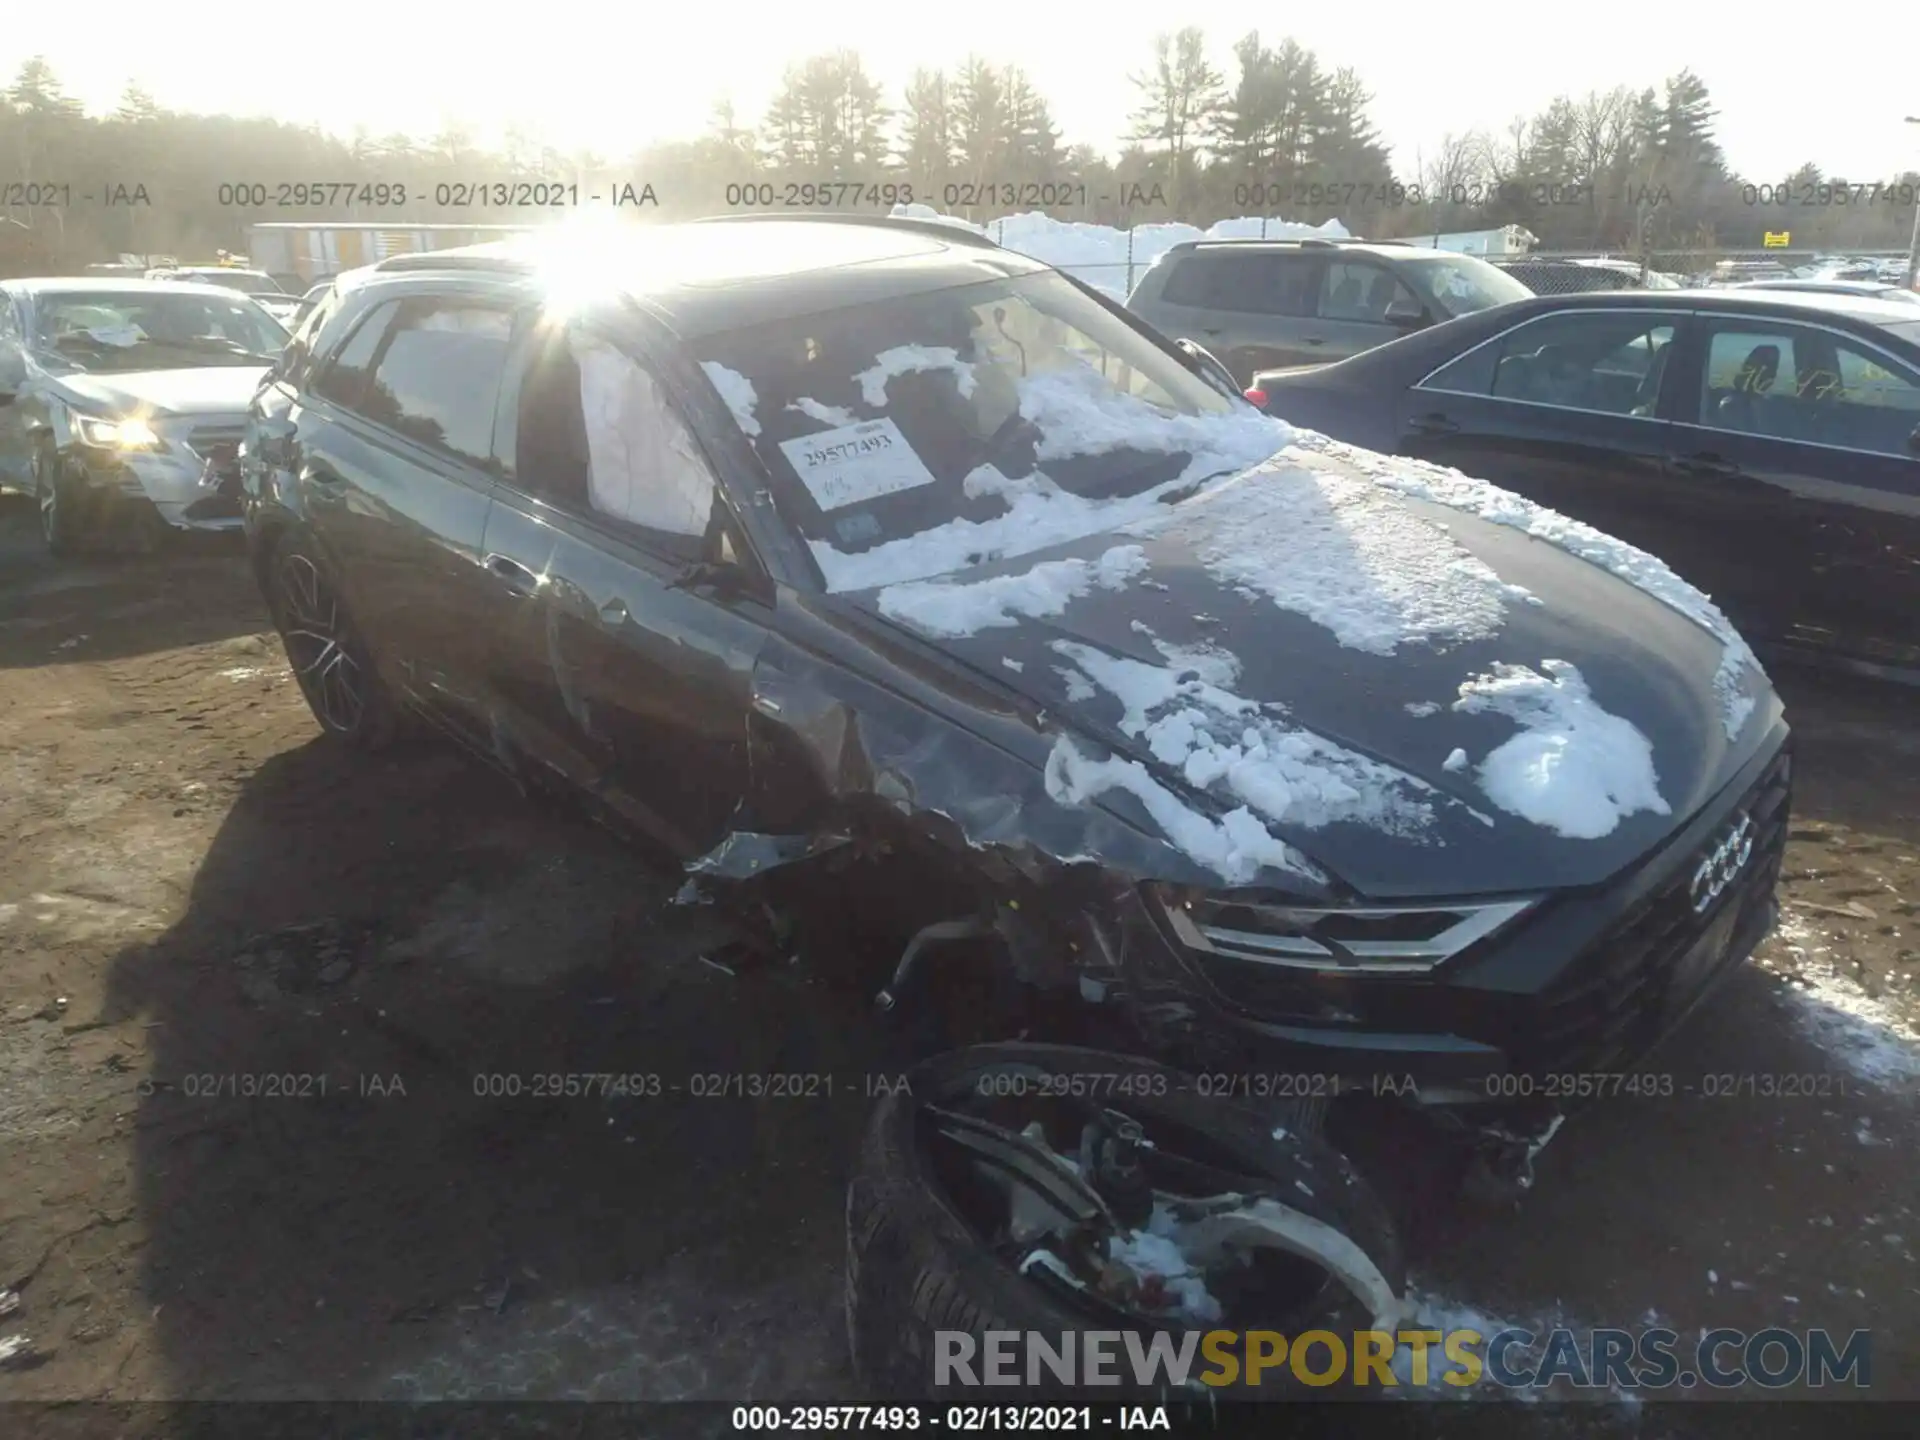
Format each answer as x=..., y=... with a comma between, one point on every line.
x=1337, y=662
x=223, y=389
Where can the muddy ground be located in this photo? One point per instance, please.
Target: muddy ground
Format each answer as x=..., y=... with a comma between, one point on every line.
x=195, y=890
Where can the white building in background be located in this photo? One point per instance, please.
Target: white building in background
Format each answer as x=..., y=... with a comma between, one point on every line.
x=1509, y=242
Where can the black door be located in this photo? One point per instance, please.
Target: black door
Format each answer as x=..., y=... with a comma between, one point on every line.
x=1571, y=410
x=616, y=668
x=396, y=472
x=1806, y=437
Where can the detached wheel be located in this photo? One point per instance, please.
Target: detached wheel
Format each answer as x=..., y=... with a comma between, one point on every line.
x=961, y=1218
x=330, y=658
x=60, y=523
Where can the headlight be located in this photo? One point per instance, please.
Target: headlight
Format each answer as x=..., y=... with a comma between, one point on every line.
x=131, y=433
x=1347, y=939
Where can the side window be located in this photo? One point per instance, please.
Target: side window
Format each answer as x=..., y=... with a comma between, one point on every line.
x=1359, y=290
x=438, y=375
x=1609, y=363
x=598, y=433
x=343, y=379
x=1792, y=382
x=9, y=327
x=1270, y=283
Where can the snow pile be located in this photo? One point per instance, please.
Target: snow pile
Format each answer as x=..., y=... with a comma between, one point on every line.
x=1155, y=1252
x=1868, y=1034
x=1573, y=768
x=1217, y=741
x=1337, y=551
x=1426, y=481
x=950, y=610
x=1040, y=513
x=737, y=390
x=1098, y=254
x=1237, y=845
x=909, y=360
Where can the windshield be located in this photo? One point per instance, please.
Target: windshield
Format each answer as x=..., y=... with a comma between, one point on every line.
x=1459, y=284
x=154, y=330
x=917, y=437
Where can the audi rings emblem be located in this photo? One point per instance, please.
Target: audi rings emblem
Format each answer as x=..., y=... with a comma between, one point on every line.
x=1722, y=864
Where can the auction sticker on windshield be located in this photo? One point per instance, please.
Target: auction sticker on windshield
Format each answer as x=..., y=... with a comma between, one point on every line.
x=852, y=463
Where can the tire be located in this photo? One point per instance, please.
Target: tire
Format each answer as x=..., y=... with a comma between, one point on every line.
x=330, y=658
x=60, y=524
x=915, y=1266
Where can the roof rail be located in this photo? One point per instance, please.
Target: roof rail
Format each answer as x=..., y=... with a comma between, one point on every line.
x=457, y=259
x=956, y=233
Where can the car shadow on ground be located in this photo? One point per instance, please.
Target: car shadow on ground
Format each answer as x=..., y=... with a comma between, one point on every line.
x=377, y=1151
x=195, y=589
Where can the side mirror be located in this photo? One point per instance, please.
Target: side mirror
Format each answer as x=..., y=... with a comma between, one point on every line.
x=1406, y=315
x=1205, y=363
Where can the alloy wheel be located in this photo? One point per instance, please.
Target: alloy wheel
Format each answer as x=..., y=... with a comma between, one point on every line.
x=318, y=638
x=47, y=490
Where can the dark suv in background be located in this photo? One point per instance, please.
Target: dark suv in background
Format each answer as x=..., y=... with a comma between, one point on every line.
x=1275, y=304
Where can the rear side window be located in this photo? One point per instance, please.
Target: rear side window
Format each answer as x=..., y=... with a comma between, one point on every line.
x=343, y=379
x=598, y=434
x=1270, y=283
x=438, y=376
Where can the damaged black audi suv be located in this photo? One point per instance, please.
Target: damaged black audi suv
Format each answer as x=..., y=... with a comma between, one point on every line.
x=868, y=568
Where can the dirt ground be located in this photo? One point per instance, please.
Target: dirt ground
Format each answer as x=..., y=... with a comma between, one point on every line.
x=199, y=898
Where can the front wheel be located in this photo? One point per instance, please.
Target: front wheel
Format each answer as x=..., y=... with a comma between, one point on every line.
x=60, y=525
x=1052, y=1191
x=330, y=659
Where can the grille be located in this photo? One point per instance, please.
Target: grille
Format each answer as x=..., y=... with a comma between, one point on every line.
x=1611, y=1004
x=1548, y=278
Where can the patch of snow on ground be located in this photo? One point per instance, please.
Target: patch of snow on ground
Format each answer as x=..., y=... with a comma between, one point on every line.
x=908, y=360
x=737, y=390
x=1427, y=1310
x=955, y=608
x=1336, y=550
x=1426, y=481
x=1220, y=742
x=1237, y=845
x=1573, y=768
x=1870, y=1037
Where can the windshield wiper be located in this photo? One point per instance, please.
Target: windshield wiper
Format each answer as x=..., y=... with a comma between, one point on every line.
x=1192, y=487
x=214, y=345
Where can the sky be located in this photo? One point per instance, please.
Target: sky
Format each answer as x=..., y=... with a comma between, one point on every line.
x=612, y=78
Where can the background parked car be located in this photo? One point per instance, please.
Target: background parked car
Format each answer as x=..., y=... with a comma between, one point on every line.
x=122, y=402
x=1265, y=304
x=1865, y=289
x=1762, y=442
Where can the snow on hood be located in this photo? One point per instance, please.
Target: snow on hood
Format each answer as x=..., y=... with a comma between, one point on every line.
x=1334, y=549
x=203, y=390
x=1572, y=768
x=1238, y=751
x=948, y=610
x=1739, y=667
